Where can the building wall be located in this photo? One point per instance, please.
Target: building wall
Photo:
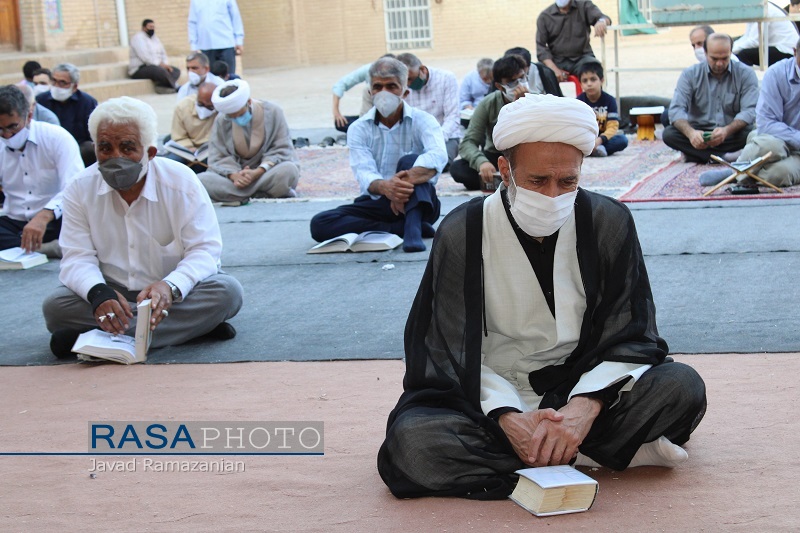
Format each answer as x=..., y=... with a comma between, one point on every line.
x=298, y=32
x=86, y=24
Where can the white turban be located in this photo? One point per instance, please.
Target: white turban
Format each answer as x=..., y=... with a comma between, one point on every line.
x=234, y=101
x=546, y=118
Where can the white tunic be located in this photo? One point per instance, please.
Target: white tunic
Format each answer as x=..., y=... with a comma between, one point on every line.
x=523, y=335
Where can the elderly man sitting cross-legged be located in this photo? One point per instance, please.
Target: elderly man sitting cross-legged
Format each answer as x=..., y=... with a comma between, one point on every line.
x=250, y=152
x=397, y=153
x=532, y=339
x=138, y=226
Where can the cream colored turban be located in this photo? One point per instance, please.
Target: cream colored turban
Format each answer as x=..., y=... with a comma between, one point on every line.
x=234, y=101
x=546, y=118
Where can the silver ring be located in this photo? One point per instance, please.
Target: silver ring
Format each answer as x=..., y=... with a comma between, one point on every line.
x=110, y=315
x=165, y=313
x=101, y=318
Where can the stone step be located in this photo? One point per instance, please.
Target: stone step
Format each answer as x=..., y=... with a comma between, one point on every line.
x=104, y=90
x=12, y=63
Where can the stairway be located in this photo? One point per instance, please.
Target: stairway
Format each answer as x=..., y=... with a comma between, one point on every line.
x=104, y=71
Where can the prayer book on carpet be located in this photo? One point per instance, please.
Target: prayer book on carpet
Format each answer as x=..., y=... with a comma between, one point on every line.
x=369, y=241
x=98, y=345
x=552, y=490
x=18, y=259
x=191, y=156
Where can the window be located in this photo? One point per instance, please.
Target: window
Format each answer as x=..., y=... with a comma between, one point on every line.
x=408, y=24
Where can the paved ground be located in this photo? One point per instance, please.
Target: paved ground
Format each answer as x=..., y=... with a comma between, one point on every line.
x=722, y=274
x=719, y=273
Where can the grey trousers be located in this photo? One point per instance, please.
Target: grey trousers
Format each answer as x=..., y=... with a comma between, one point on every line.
x=212, y=301
x=275, y=183
x=440, y=450
x=783, y=169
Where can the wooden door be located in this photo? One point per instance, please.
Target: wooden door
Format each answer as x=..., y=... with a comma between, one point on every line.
x=9, y=24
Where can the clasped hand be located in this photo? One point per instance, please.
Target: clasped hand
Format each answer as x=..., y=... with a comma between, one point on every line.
x=548, y=437
x=398, y=189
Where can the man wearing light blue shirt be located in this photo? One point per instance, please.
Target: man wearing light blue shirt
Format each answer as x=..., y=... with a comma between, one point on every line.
x=397, y=153
x=476, y=84
x=778, y=119
x=216, y=29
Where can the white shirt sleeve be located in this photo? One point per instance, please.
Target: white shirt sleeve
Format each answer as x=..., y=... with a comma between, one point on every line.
x=497, y=392
x=606, y=374
x=68, y=161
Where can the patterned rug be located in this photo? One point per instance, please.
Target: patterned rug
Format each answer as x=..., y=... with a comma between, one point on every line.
x=325, y=172
x=679, y=182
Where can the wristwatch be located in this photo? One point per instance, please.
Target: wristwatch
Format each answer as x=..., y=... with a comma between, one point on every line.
x=176, y=292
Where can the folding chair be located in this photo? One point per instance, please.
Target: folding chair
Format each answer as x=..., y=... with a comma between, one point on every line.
x=745, y=167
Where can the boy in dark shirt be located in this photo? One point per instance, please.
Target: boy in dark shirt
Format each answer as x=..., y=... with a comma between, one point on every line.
x=605, y=107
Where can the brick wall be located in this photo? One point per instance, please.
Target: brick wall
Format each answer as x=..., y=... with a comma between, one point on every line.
x=299, y=32
x=171, y=23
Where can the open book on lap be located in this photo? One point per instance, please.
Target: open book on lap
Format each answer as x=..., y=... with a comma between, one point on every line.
x=98, y=345
x=18, y=259
x=369, y=241
x=192, y=156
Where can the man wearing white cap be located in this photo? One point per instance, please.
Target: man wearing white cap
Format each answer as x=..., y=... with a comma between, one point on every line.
x=250, y=151
x=532, y=339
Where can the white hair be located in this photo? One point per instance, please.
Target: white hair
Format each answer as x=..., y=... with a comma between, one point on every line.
x=126, y=110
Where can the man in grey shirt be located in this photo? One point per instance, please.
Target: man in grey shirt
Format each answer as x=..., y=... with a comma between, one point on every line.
x=714, y=105
x=562, y=35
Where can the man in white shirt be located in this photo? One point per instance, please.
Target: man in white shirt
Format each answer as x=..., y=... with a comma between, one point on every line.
x=148, y=60
x=198, y=70
x=435, y=91
x=37, y=160
x=532, y=340
x=138, y=227
x=782, y=35
x=216, y=29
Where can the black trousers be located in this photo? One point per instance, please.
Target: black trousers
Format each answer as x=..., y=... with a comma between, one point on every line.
x=160, y=76
x=468, y=176
x=437, y=451
x=366, y=214
x=678, y=141
x=749, y=56
x=11, y=232
x=227, y=55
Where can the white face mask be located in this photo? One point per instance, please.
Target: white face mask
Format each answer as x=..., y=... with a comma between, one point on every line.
x=60, y=93
x=562, y=3
x=203, y=112
x=700, y=54
x=539, y=215
x=18, y=140
x=194, y=78
x=386, y=103
x=40, y=89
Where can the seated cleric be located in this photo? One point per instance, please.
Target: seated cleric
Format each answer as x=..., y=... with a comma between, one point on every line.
x=136, y=226
x=532, y=339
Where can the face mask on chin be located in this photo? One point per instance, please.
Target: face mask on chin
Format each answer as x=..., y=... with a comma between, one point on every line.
x=203, y=112
x=386, y=103
x=121, y=173
x=539, y=215
x=194, y=78
x=700, y=54
x=61, y=94
x=244, y=119
x=18, y=140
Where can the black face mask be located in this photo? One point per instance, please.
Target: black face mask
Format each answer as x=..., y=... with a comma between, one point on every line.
x=150, y=32
x=120, y=172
